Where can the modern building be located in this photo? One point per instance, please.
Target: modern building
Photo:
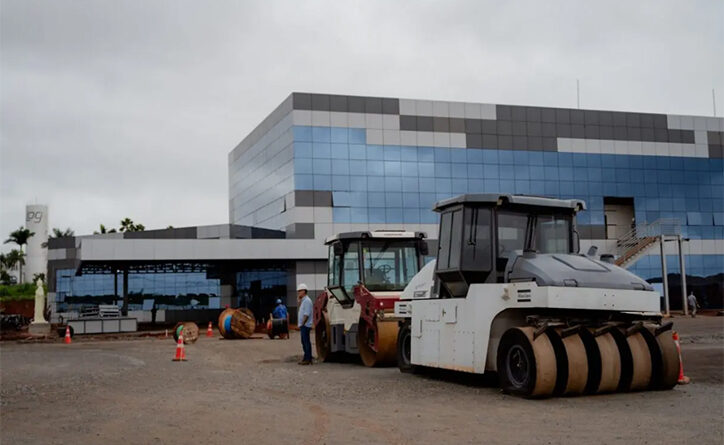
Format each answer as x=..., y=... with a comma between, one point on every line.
x=321, y=164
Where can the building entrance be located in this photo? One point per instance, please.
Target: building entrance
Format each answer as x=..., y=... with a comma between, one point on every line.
x=618, y=216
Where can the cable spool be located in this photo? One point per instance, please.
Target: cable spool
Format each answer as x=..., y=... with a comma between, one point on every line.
x=224, y=324
x=189, y=329
x=277, y=327
x=243, y=323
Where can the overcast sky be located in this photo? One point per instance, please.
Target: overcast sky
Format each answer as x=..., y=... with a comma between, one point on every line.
x=113, y=109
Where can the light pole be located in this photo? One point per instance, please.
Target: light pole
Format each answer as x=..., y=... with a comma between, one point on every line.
x=664, y=278
x=682, y=269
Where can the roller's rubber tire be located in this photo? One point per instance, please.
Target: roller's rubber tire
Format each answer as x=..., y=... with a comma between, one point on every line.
x=604, y=362
x=404, y=342
x=642, y=363
x=386, y=353
x=668, y=374
x=323, y=338
x=526, y=367
x=572, y=363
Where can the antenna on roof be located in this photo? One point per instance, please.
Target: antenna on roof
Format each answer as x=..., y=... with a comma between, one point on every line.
x=578, y=94
x=713, y=101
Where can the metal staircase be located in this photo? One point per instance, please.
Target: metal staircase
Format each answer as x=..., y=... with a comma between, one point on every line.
x=635, y=243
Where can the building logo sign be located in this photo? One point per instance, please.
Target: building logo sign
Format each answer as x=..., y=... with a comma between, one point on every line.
x=34, y=216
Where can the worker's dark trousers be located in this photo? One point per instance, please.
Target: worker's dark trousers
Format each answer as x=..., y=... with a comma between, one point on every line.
x=306, y=343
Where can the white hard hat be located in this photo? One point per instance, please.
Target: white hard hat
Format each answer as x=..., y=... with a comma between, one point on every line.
x=302, y=286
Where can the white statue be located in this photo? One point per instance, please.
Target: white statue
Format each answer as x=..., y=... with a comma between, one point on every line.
x=39, y=302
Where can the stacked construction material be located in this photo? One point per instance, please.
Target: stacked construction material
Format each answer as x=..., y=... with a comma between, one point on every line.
x=189, y=329
x=236, y=323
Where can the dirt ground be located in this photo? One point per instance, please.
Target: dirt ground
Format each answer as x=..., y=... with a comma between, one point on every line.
x=252, y=391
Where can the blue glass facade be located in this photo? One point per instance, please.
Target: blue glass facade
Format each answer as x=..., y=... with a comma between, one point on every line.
x=171, y=290
x=371, y=163
x=399, y=184
x=258, y=289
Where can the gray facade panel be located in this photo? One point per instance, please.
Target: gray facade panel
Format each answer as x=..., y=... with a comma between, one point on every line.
x=65, y=242
x=338, y=103
x=181, y=233
x=322, y=198
x=320, y=102
x=350, y=104
x=304, y=198
x=300, y=231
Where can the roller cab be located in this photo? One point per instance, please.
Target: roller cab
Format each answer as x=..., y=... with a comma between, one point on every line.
x=509, y=293
x=367, y=271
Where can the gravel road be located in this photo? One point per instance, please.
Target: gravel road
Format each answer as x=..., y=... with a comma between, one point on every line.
x=252, y=391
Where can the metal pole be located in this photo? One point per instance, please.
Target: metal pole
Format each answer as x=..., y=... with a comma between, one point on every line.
x=115, y=286
x=682, y=269
x=713, y=101
x=124, y=310
x=664, y=277
x=578, y=95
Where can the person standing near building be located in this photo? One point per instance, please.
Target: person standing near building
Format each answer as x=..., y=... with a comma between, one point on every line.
x=280, y=311
x=304, y=321
x=693, y=303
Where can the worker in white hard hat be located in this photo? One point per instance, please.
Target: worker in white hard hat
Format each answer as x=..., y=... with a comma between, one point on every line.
x=304, y=321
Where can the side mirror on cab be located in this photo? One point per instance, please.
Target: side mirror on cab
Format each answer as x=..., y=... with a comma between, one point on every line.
x=337, y=248
x=424, y=250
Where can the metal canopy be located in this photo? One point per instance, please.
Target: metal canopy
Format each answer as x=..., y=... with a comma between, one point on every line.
x=501, y=199
x=99, y=268
x=134, y=267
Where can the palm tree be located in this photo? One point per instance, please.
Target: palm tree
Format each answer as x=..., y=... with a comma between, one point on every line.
x=20, y=237
x=126, y=225
x=5, y=267
x=14, y=258
x=58, y=233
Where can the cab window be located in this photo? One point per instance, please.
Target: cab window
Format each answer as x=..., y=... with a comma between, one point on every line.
x=389, y=265
x=553, y=234
x=333, y=268
x=350, y=268
x=511, y=232
x=477, y=243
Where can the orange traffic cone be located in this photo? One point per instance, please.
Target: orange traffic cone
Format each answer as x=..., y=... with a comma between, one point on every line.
x=67, y=335
x=180, y=350
x=209, y=331
x=683, y=380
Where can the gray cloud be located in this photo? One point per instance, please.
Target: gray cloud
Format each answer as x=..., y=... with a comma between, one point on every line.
x=114, y=109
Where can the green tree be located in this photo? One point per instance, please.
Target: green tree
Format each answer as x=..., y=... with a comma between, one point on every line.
x=5, y=267
x=20, y=237
x=127, y=225
x=8, y=262
x=58, y=233
x=5, y=277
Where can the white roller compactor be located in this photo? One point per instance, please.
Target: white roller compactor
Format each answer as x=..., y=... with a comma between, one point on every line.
x=509, y=293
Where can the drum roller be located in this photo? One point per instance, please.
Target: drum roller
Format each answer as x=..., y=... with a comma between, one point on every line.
x=386, y=353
